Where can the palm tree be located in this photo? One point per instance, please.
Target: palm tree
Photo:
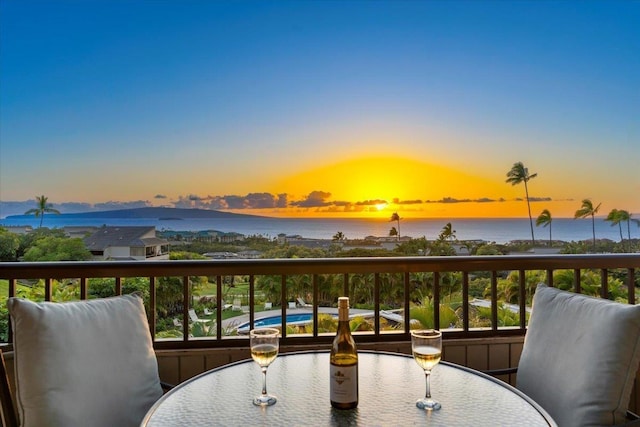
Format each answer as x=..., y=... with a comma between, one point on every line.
x=545, y=219
x=447, y=233
x=626, y=216
x=338, y=237
x=515, y=176
x=396, y=217
x=43, y=206
x=615, y=218
x=586, y=210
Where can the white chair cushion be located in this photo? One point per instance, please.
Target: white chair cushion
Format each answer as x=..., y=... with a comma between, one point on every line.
x=580, y=357
x=83, y=363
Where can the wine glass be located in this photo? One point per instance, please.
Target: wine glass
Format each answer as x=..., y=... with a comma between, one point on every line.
x=264, y=350
x=426, y=346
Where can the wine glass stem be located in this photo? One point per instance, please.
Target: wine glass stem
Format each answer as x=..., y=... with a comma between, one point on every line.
x=264, y=380
x=427, y=374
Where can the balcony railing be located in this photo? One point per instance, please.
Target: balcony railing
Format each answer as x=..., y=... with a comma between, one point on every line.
x=390, y=284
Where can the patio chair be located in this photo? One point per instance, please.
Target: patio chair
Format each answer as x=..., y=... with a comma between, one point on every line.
x=237, y=305
x=292, y=304
x=208, y=312
x=268, y=306
x=8, y=413
x=194, y=317
x=303, y=303
x=83, y=362
x=580, y=358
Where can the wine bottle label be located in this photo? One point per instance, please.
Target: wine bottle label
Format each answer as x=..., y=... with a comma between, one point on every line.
x=344, y=383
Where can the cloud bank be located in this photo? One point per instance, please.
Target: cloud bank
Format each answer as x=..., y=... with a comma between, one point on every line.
x=319, y=201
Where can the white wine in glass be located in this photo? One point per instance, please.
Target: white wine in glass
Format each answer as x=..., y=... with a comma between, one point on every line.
x=264, y=350
x=426, y=346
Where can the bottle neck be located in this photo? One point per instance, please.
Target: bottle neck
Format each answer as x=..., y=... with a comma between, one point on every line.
x=343, y=315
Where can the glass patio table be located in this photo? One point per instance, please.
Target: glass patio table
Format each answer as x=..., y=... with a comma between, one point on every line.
x=389, y=385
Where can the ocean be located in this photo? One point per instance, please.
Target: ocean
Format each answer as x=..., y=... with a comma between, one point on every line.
x=491, y=230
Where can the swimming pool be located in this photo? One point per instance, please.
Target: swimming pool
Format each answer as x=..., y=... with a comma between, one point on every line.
x=264, y=322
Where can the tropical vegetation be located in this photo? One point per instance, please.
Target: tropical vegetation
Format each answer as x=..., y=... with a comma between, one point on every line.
x=517, y=175
x=339, y=237
x=617, y=217
x=545, y=220
x=395, y=217
x=587, y=209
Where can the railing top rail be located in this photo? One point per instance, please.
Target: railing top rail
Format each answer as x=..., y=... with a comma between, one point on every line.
x=34, y=270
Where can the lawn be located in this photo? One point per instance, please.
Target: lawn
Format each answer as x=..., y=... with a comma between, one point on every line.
x=238, y=291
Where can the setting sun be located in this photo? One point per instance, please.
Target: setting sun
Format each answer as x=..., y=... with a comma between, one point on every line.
x=375, y=185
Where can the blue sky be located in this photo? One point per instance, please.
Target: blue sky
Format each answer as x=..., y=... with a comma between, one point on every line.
x=186, y=103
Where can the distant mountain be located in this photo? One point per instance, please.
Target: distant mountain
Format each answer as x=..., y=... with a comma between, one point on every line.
x=157, y=213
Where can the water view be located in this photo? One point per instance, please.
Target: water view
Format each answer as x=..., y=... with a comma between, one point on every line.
x=491, y=230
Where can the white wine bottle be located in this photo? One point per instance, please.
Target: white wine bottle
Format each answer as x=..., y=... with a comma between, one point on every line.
x=344, y=362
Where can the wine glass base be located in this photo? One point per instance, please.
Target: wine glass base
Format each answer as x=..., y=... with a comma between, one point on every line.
x=428, y=404
x=265, y=400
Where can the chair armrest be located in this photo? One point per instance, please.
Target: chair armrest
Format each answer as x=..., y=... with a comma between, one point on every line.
x=505, y=371
x=8, y=415
x=632, y=419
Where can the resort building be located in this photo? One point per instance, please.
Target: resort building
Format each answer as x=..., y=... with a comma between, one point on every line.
x=127, y=243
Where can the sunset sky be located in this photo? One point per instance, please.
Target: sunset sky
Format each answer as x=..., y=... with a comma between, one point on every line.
x=320, y=108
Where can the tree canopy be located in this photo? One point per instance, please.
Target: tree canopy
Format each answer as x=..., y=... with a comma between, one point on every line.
x=52, y=248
